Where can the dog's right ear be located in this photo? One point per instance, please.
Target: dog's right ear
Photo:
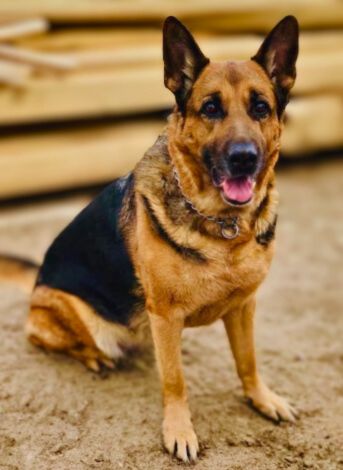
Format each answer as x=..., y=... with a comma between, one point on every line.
x=183, y=59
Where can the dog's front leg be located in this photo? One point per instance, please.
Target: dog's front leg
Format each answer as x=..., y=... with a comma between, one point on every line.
x=239, y=326
x=178, y=434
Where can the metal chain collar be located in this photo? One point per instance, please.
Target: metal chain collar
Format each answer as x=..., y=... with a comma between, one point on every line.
x=229, y=228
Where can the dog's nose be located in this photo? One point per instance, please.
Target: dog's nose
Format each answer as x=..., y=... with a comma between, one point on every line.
x=242, y=158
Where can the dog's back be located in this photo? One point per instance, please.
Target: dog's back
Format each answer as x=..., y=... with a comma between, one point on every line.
x=90, y=259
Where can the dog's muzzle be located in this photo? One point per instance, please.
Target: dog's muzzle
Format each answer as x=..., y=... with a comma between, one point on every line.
x=236, y=178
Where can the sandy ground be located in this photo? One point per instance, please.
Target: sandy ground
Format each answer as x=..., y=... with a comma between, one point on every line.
x=56, y=415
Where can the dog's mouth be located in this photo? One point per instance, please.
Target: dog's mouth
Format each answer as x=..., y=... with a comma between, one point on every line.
x=236, y=191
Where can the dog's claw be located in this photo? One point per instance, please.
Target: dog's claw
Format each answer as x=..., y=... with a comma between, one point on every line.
x=272, y=405
x=181, y=442
x=109, y=363
x=175, y=449
x=97, y=364
x=93, y=365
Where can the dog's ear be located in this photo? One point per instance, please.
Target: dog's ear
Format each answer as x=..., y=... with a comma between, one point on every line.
x=183, y=59
x=278, y=54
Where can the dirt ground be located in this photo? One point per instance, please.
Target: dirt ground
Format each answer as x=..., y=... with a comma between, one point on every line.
x=55, y=415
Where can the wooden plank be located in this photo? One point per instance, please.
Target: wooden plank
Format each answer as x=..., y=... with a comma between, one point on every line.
x=150, y=53
x=14, y=75
x=19, y=29
x=93, y=38
x=261, y=18
x=132, y=81
x=128, y=89
x=85, y=94
x=313, y=124
x=217, y=48
x=135, y=47
x=59, y=160
x=234, y=15
x=40, y=60
x=118, y=38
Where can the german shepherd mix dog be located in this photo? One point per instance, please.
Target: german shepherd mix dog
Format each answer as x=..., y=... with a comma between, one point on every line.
x=187, y=237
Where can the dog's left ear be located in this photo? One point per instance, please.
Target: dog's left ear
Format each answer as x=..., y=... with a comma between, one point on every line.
x=278, y=55
x=183, y=59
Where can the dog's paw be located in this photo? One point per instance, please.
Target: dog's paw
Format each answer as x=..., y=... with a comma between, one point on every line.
x=97, y=364
x=271, y=405
x=179, y=437
x=93, y=359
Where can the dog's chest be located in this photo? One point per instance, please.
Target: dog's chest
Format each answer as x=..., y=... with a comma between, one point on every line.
x=226, y=281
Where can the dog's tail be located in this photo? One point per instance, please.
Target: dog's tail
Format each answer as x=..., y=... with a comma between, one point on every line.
x=18, y=270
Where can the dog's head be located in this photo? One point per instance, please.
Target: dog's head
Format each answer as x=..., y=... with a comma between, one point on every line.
x=227, y=118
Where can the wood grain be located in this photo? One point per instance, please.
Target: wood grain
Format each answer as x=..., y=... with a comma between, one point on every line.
x=224, y=15
x=116, y=82
x=19, y=29
x=51, y=161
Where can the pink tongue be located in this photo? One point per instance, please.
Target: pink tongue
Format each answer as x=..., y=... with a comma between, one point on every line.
x=238, y=189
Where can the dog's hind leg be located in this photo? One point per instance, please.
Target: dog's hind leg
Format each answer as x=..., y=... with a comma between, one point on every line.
x=63, y=323
x=45, y=330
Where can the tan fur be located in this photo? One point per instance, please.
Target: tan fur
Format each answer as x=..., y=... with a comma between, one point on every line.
x=220, y=282
x=64, y=323
x=184, y=294
x=240, y=331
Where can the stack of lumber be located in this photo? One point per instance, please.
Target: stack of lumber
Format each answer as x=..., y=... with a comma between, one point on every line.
x=81, y=84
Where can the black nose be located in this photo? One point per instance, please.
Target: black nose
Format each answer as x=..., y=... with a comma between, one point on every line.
x=242, y=158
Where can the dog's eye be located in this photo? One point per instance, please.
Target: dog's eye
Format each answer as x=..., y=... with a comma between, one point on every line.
x=212, y=109
x=260, y=109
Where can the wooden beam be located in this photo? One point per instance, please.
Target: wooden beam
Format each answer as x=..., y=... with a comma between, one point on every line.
x=94, y=38
x=39, y=60
x=150, y=53
x=117, y=38
x=118, y=90
x=19, y=29
x=262, y=16
x=53, y=161
x=236, y=15
x=14, y=75
x=79, y=95
x=313, y=124
x=70, y=158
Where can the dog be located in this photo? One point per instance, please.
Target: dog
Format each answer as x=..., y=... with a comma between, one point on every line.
x=187, y=237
